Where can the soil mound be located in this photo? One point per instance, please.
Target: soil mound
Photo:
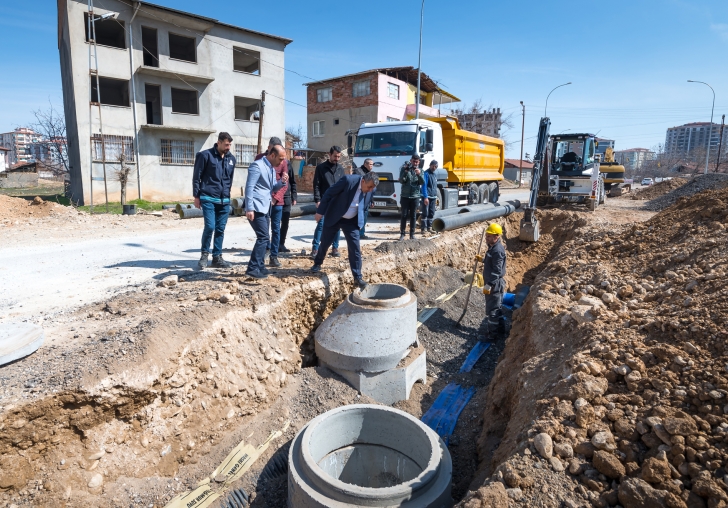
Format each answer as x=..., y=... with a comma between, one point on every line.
x=659, y=189
x=612, y=387
x=18, y=208
x=693, y=186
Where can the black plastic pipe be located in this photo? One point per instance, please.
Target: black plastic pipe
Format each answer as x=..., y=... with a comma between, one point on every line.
x=460, y=220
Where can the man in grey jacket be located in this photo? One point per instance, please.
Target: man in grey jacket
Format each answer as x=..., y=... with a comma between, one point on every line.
x=258, y=189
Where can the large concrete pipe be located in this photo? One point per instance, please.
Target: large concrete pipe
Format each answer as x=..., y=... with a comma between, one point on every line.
x=464, y=209
x=463, y=219
x=367, y=455
x=303, y=209
x=189, y=213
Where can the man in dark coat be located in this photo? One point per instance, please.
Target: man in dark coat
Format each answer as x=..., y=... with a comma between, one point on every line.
x=212, y=179
x=344, y=206
x=362, y=170
x=327, y=174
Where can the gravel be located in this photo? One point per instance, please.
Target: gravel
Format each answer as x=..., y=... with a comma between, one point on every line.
x=693, y=186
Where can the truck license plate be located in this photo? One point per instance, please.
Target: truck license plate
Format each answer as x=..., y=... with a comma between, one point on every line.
x=380, y=203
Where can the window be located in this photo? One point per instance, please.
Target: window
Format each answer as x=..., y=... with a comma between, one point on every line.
x=114, y=92
x=392, y=91
x=184, y=101
x=149, y=47
x=247, y=109
x=182, y=48
x=392, y=119
x=153, y=100
x=336, y=121
x=246, y=60
x=318, y=129
x=323, y=94
x=423, y=99
x=386, y=143
x=109, y=32
x=245, y=154
x=112, y=147
x=178, y=151
x=360, y=89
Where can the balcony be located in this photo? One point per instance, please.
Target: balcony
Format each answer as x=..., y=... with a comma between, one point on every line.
x=166, y=73
x=425, y=111
x=174, y=128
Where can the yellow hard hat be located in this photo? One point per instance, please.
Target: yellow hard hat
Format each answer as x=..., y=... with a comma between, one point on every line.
x=494, y=229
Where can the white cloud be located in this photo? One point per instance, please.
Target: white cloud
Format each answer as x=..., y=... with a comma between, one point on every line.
x=721, y=29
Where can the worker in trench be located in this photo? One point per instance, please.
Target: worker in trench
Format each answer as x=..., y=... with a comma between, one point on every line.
x=494, y=284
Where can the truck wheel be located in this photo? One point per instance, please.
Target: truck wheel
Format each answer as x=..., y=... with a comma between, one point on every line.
x=473, y=195
x=483, y=193
x=493, y=192
x=438, y=205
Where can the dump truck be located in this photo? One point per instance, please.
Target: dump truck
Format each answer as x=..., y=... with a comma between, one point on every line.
x=470, y=164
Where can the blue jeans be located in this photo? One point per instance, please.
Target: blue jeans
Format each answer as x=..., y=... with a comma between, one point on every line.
x=257, y=255
x=317, y=236
x=215, y=217
x=276, y=213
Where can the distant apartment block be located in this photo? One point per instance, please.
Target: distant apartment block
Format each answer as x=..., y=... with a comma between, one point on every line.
x=684, y=140
x=487, y=123
x=19, y=143
x=337, y=105
x=169, y=81
x=633, y=158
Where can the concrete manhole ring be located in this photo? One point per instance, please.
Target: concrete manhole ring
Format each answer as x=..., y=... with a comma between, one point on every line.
x=368, y=455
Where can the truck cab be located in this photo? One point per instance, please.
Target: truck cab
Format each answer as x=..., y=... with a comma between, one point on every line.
x=390, y=145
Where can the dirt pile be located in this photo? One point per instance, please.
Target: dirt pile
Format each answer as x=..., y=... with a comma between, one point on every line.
x=613, y=387
x=693, y=186
x=658, y=189
x=12, y=209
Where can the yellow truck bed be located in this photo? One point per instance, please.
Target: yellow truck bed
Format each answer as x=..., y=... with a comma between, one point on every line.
x=469, y=156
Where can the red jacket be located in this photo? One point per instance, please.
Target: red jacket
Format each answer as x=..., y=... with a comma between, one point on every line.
x=282, y=169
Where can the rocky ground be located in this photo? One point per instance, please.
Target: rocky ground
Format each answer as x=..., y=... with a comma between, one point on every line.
x=693, y=186
x=659, y=189
x=595, y=399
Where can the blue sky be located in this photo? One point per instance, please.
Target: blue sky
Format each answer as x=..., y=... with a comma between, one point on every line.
x=629, y=61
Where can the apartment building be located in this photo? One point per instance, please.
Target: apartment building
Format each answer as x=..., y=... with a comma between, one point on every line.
x=633, y=158
x=486, y=122
x=685, y=140
x=339, y=104
x=169, y=81
x=19, y=143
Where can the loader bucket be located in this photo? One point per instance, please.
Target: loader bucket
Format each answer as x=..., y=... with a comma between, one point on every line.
x=530, y=231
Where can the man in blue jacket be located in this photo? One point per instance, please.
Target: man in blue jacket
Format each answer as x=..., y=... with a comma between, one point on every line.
x=259, y=187
x=211, y=182
x=343, y=208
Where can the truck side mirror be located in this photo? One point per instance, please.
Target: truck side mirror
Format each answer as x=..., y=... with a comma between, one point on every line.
x=428, y=147
x=429, y=137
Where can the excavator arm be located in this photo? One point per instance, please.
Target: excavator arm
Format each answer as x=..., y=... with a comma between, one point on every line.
x=529, y=224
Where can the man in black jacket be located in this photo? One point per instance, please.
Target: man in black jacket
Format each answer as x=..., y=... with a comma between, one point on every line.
x=289, y=198
x=327, y=174
x=212, y=179
x=365, y=168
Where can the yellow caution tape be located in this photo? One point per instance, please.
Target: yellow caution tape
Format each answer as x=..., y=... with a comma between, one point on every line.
x=235, y=465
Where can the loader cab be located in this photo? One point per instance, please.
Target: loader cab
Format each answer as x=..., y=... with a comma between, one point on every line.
x=573, y=155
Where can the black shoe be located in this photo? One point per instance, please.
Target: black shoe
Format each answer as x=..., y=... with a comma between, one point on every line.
x=256, y=274
x=361, y=283
x=335, y=253
x=265, y=271
x=283, y=248
x=274, y=261
x=316, y=268
x=313, y=253
x=219, y=262
x=401, y=237
x=365, y=237
x=202, y=263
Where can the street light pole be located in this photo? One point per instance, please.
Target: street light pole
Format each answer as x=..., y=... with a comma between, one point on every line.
x=549, y=95
x=520, y=161
x=419, y=64
x=720, y=144
x=710, y=129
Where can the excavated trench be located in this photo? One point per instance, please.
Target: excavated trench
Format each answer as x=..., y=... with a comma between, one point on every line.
x=143, y=411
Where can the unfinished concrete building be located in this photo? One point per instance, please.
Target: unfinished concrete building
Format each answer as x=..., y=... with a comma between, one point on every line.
x=169, y=81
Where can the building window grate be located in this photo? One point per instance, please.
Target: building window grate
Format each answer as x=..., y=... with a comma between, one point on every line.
x=245, y=154
x=112, y=147
x=178, y=151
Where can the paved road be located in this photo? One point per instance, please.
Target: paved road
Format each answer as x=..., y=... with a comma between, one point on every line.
x=47, y=278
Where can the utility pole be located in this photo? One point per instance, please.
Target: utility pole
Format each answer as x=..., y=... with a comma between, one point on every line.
x=419, y=64
x=710, y=129
x=523, y=130
x=260, y=122
x=720, y=143
x=94, y=72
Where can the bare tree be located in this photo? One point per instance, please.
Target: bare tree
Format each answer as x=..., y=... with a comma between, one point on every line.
x=122, y=175
x=51, y=125
x=296, y=136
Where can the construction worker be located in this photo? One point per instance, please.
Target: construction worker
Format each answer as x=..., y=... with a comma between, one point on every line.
x=410, y=176
x=494, y=271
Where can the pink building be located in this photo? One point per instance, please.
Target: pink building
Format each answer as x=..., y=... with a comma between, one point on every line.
x=340, y=104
